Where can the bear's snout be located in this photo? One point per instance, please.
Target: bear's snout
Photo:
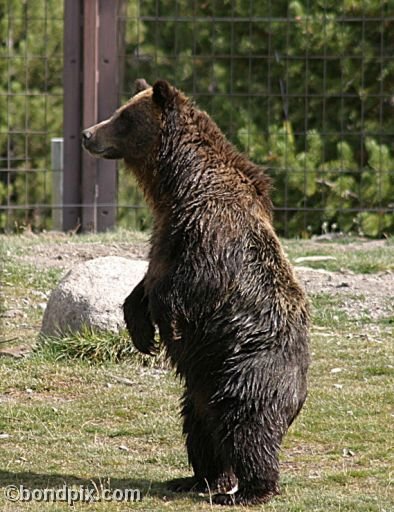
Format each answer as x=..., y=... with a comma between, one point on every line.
x=87, y=140
x=86, y=135
x=98, y=142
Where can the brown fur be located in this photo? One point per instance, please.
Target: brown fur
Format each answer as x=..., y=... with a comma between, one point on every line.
x=230, y=312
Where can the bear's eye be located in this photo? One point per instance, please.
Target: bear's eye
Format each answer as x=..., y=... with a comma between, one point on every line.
x=124, y=121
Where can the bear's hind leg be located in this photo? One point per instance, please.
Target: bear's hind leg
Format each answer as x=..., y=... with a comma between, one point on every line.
x=212, y=469
x=255, y=451
x=200, y=455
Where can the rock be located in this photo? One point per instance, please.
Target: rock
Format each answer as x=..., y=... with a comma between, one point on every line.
x=314, y=259
x=15, y=352
x=12, y=313
x=92, y=294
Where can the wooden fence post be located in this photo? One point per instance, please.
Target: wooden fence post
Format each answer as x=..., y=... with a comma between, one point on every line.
x=72, y=104
x=89, y=111
x=108, y=87
x=90, y=94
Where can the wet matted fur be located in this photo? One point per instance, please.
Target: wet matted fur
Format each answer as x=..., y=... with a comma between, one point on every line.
x=230, y=312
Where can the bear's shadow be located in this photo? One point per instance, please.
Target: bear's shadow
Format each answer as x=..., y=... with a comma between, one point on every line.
x=30, y=480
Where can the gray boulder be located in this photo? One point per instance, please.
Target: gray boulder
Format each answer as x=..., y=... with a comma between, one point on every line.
x=92, y=295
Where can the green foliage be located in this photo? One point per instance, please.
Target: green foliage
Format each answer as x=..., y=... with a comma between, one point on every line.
x=139, y=217
x=305, y=88
x=30, y=105
x=332, y=186
x=307, y=96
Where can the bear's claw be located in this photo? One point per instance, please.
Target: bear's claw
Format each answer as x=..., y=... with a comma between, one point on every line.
x=245, y=498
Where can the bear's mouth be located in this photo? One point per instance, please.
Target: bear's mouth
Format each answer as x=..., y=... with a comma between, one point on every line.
x=109, y=152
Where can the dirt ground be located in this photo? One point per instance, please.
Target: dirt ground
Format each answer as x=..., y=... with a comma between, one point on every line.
x=360, y=295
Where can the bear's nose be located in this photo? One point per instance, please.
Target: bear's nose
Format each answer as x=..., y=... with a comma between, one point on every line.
x=86, y=135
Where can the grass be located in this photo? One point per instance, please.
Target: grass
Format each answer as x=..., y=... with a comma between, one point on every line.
x=24, y=242
x=351, y=253
x=72, y=419
x=96, y=347
x=24, y=293
x=359, y=258
x=25, y=288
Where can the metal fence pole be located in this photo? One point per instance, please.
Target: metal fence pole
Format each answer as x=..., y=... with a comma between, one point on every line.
x=57, y=182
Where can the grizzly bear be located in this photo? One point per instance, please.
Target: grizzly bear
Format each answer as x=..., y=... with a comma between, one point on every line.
x=229, y=310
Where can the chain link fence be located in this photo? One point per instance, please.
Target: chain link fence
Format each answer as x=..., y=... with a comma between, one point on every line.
x=305, y=88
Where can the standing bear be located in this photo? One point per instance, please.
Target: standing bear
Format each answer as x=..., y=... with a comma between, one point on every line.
x=229, y=310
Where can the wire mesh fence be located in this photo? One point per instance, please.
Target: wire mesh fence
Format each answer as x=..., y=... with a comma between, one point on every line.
x=31, y=57
x=305, y=88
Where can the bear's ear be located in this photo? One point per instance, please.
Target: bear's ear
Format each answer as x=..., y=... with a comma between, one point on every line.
x=162, y=93
x=140, y=85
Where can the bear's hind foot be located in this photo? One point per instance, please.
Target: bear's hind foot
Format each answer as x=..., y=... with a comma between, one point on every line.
x=187, y=484
x=247, y=497
x=225, y=483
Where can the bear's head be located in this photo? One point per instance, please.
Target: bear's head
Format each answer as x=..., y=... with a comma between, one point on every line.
x=133, y=132
x=167, y=142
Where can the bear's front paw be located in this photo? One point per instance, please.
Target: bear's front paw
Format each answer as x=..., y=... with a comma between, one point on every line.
x=138, y=320
x=143, y=339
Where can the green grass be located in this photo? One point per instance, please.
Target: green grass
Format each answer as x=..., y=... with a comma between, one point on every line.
x=351, y=253
x=95, y=347
x=68, y=419
x=71, y=419
x=24, y=291
x=326, y=310
x=23, y=243
x=361, y=258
